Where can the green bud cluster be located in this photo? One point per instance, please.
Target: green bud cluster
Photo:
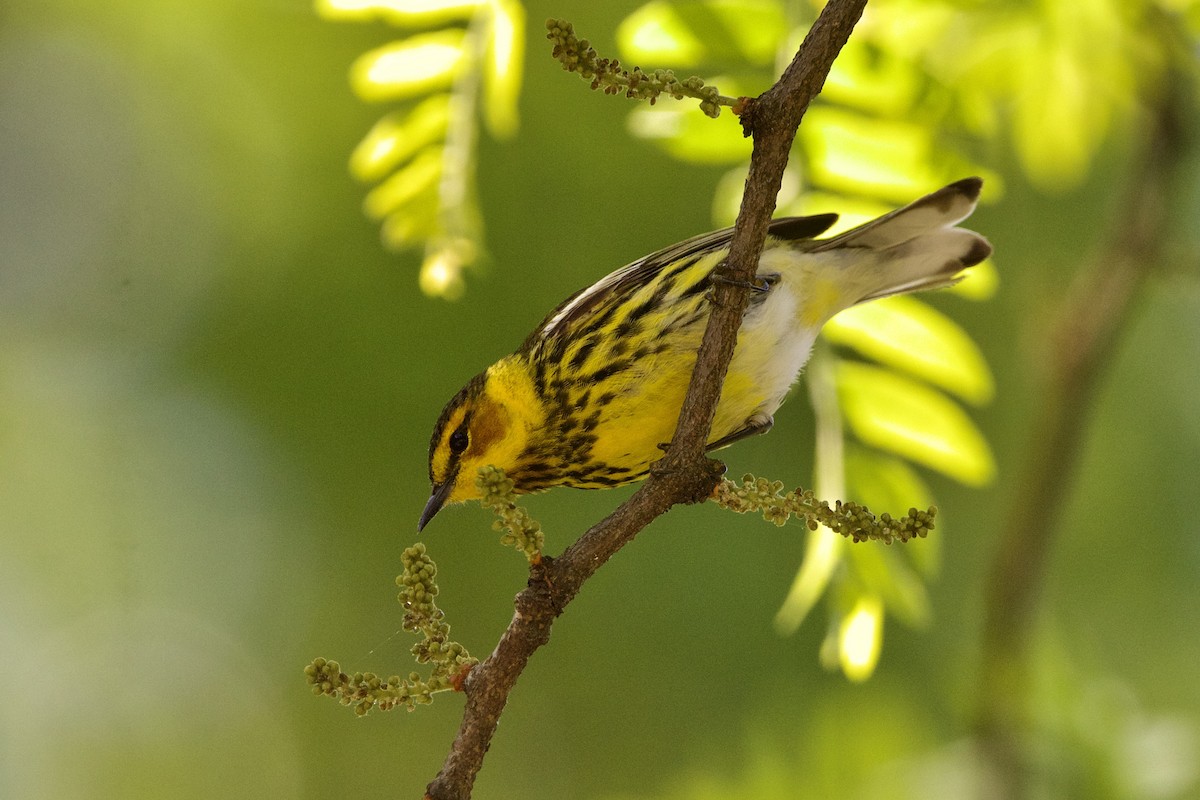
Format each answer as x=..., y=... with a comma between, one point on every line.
x=520, y=530
x=451, y=661
x=366, y=690
x=417, y=586
x=849, y=519
x=577, y=55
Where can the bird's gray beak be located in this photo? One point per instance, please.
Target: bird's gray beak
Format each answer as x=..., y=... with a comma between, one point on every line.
x=436, y=500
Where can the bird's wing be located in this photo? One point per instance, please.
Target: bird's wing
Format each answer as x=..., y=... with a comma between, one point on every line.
x=614, y=289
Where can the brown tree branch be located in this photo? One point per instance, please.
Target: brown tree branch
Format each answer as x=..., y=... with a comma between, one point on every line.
x=1080, y=343
x=685, y=474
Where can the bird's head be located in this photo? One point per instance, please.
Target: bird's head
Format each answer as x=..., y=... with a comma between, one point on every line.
x=486, y=423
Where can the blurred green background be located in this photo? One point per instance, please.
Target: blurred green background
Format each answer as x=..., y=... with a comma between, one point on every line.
x=216, y=391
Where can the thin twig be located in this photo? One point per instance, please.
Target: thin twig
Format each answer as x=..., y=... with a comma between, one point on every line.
x=685, y=474
x=1080, y=342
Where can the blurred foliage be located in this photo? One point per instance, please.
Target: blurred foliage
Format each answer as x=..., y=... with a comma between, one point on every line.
x=215, y=398
x=470, y=66
x=1092, y=740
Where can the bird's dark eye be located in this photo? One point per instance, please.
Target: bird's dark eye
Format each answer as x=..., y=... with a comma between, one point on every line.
x=459, y=440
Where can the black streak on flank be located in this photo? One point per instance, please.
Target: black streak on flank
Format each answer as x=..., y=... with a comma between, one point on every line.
x=585, y=350
x=625, y=329
x=604, y=373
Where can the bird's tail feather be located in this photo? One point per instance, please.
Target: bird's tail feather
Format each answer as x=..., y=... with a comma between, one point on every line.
x=918, y=246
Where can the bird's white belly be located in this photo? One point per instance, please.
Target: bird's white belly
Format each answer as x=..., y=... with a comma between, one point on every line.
x=774, y=343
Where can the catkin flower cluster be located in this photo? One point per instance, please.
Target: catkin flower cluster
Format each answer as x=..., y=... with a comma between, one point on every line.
x=451, y=661
x=577, y=55
x=520, y=530
x=849, y=519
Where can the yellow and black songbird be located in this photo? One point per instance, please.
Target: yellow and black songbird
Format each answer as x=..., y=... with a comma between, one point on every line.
x=591, y=395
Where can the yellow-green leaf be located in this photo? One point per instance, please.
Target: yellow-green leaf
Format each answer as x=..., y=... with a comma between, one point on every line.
x=822, y=554
x=883, y=82
x=884, y=572
x=441, y=272
x=754, y=28
x=908, y=26
x=857, y=154
x=421, y=63
x=907, y=334
x=398, y=136
x=1051, y=121
x=980, y=282
x=906, y=417
x=419, y=177
x=400, y=12
x=720, y=32
x=411, y=225
x=860, y=638
x=688, y=135
x=502, y=68
x=656, y=33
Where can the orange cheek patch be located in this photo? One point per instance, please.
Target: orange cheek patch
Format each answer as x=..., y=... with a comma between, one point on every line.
x=489, y=424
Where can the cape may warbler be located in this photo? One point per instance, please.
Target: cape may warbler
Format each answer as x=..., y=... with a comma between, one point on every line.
x=591, y=395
